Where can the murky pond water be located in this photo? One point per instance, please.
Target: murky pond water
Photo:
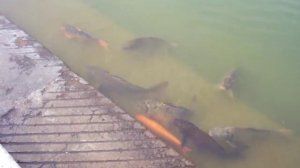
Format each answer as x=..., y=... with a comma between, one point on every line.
x=207, y=39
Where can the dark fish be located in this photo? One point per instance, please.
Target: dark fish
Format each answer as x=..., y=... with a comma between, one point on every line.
x=229, y=80
x=199, y=138
x=147, y=45
x=72, y=32
x=242, y=138
x=111, y=85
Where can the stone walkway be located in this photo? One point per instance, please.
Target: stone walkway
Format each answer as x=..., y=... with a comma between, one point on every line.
x=50, y=117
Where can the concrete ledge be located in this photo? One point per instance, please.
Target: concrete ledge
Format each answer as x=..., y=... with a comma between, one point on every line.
x=51, y=117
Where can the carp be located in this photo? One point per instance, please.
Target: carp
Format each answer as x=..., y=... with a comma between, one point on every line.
x=72, y=32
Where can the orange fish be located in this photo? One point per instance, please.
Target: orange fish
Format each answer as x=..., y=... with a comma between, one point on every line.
x=72, y=32
x=161, y=131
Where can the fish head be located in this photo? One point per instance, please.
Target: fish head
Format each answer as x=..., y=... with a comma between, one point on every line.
x=222, y=133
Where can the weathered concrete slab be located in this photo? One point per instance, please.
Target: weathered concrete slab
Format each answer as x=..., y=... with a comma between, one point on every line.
x=25, y=65
x=50, y=117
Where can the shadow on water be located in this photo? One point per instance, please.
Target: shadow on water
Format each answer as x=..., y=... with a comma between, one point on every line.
x=142, y=80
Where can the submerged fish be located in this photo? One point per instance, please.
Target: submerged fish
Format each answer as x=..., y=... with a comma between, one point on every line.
x=111, y=85
x=229, y=80
x=147, y=45
x=72, y=32
x=160, y=131
x=241, y=138
x=199, y=138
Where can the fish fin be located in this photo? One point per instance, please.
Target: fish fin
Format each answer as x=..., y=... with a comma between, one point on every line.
x=184, y=140
x=157, y=90
x=160, y=86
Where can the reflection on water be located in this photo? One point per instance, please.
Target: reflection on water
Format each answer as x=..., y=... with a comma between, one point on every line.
x=209, y=44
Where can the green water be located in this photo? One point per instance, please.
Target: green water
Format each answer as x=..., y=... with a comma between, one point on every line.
x=260, y=38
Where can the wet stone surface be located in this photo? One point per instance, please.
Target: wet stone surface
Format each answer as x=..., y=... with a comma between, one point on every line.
x=50, y=117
